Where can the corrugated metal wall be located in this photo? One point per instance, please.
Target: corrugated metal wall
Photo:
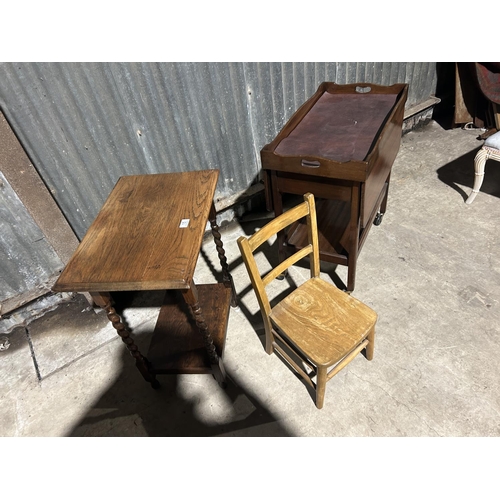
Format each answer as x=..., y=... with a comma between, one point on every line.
x=27, y=261
x=86, y=124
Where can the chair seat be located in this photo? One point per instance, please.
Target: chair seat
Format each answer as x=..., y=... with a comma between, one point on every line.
x=322, y=321
x=493, y=141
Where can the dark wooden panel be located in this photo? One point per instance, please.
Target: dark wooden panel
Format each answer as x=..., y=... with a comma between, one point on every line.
x=333, y=231
x=381, y=158
x=301, y=184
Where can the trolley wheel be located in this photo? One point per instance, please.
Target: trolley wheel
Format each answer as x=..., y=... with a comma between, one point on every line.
x=378, y=219
x=282, y=276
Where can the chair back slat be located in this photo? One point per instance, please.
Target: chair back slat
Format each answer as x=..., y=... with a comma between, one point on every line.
x=277, y=225
x=280, y=268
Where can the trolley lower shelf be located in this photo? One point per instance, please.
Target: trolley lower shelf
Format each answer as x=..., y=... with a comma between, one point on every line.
x=334, y=232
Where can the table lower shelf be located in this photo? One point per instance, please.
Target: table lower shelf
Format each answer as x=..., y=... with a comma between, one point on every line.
x=177, y=345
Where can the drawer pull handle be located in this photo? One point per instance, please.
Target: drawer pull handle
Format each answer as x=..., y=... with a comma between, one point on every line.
x=310, y=163
x=363, y=90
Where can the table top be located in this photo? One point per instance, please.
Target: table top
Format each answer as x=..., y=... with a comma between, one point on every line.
x=147, y=235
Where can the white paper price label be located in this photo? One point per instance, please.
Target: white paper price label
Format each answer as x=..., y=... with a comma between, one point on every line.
x=184, y=223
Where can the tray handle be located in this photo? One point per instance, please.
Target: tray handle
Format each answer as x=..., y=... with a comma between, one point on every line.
x=363, y=90
x=310, y=163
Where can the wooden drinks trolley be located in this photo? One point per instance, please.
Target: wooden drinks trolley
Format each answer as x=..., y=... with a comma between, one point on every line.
x=339, y=145
x=147, y=236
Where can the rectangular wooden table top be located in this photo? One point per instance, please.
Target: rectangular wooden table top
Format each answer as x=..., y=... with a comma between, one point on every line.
x=147, y=235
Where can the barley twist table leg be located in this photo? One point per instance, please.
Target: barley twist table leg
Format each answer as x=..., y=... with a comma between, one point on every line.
x=104, y=300
x=226, y=275
x=191, y=298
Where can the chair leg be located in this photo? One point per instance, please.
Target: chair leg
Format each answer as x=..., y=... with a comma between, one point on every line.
x=321, y=378
x=269, y=346
x=269, y=342
x=371, y=345
x=479, y=162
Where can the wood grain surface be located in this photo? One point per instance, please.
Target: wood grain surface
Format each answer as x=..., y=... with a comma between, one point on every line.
x=137, y=241
x=322, y=321
x=340, y=127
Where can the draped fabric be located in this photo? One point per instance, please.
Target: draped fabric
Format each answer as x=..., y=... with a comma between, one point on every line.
x=477, y=94
x=488, y=78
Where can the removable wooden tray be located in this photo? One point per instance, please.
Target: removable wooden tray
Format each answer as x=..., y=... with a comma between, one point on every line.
x=339, y=127
x=340, y=132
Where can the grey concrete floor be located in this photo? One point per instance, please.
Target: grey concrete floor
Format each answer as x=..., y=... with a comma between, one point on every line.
x=431, y=271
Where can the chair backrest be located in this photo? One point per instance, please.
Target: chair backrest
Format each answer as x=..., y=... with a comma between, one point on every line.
x=248, y=246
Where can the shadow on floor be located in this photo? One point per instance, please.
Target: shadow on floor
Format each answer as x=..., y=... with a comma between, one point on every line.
x=132, y=408
x=460, y=172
